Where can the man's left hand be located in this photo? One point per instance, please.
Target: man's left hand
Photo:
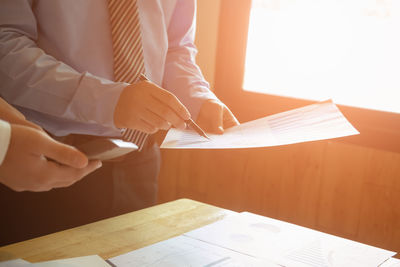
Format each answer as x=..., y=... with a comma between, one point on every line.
x=215, y=116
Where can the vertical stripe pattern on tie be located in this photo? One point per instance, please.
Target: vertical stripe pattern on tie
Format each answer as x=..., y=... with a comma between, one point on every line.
x=128, y=52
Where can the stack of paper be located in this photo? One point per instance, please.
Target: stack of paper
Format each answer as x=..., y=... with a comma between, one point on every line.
x=392, y=262
x=288, y=244
x=186, y=251
x=247, y=239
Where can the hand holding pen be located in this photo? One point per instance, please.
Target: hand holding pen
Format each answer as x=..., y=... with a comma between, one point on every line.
x=147, y=107
x=188, y=122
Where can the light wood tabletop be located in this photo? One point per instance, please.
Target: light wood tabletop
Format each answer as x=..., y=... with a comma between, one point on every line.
x=115, y=236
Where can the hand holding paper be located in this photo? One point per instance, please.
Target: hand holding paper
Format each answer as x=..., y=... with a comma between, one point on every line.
x=215, y=117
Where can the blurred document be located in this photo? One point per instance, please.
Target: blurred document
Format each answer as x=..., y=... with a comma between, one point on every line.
x=310, y=123
x=184, y=251
x=288, y=244
x=392, y=262
x=14, y=263
x=85, y=261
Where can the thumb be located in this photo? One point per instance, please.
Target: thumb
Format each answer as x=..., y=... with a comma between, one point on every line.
x=229, y=120
x=210, y=117
x=216, y=121
x=62, y=153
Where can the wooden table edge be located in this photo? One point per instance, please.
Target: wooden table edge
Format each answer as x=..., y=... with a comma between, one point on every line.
x=118, y=235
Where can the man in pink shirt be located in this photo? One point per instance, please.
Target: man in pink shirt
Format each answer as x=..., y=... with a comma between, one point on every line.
x=56, y=64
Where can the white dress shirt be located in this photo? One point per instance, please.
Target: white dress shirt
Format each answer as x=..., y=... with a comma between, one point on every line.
x=5, y=136
x=56, y=60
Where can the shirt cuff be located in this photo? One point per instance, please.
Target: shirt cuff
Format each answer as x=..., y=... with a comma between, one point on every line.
x=5, y=136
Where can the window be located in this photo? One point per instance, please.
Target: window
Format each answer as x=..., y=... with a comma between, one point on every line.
x=347, y=51
x=294, y=61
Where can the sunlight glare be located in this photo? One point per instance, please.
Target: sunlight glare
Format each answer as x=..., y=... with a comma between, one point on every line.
x=345, y=50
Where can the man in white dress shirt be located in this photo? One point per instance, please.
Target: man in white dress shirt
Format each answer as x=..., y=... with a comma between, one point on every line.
x=56, y=64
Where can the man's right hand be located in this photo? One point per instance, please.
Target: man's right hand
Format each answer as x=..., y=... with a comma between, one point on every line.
x=146, y=107
x=36, y=162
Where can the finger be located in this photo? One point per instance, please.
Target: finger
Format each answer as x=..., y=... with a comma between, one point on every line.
x=171, y=101
x=143, y=126
x=41, y=189
x=146, y=127
x=61, y=153
x=166, y=113
x=229, y=119
x=216, y=121
x=155, y=120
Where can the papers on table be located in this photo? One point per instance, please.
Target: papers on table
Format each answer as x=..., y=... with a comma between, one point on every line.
x=392, y=262
x=86, y=261
x=14, y=263
x=288, y=244
x=314, y=122
x=247, y=239
x=186, y=251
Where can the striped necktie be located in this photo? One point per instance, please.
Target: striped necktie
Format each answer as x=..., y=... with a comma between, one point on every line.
x=128, y=52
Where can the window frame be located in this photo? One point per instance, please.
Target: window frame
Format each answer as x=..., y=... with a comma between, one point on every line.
x=378, y=129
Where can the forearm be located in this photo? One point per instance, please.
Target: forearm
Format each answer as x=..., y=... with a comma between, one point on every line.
x=184, y=79
x=182, y=76
x=37, y=81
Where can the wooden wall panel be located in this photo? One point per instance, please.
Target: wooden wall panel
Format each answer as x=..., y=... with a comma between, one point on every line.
x=380, y=213
x=338, y=188
x=341, y=190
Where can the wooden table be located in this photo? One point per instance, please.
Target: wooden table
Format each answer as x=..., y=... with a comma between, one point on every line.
x=112, y=237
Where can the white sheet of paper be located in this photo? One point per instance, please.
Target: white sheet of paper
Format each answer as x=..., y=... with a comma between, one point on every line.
x=287, y=244
x=14, y=263
x=184, y=251
x=392, y=262
x=310, y=123
x=85, y=261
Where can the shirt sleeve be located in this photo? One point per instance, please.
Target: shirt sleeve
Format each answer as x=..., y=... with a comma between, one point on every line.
x=35, y=80
x=5, y=136
x=182, y=76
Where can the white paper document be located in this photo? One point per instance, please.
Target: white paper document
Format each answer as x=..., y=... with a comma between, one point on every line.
x=288, y=244
x=310, y=123
x=183, y=251
x=392, y=262
x=85, y=261
x=14, y=263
